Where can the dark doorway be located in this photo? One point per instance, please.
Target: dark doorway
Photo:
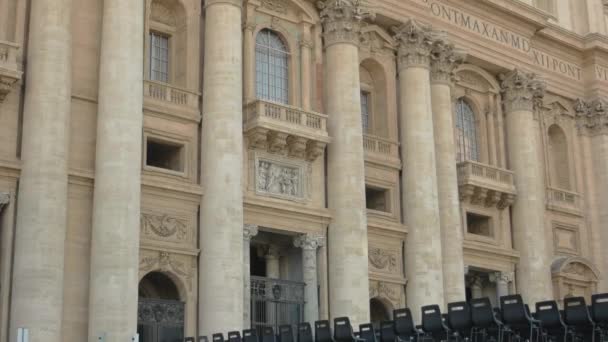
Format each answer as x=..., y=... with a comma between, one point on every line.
x=160, y=314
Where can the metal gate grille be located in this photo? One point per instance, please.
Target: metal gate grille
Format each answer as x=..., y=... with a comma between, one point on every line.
x=276, y=302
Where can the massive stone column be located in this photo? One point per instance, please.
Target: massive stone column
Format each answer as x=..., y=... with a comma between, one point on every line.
x=347, y=234
x=444, y=60
x=423, y=256
x=221, y=217
x=116, y=199
x=520, y=91
x=249, y=231
x=309, y=244
x=37, y=293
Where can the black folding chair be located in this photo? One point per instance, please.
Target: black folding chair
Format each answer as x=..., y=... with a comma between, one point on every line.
x=367, y=332
x=285, y=333
x=323, y=331
x=599, y=313
x=517, y=317
x=487, y=326
x=268, y=335
x=578, y=318
x=202, y=339
x=343, y=331
x=217, y=337
x=388, y=333
x=189, y=339
x=553, y=326
x=304, y=332
x=234, y=336
x=250, y=335
x=404, y=325
x=459, y=320
x=432, y=326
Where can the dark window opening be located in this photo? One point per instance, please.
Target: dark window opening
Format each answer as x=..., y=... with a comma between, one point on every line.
x=164, y=155
x=479, y=225
x=376, y=199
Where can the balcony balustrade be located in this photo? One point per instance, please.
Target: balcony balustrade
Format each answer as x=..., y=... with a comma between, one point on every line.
x=563, y=200
x=479, y=183
x=160, y=96
x=382, y=150
x=280, y=128
x=9, y=69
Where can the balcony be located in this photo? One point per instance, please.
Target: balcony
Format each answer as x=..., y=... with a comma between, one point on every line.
x=166, y=98
x=285, y=129
x=9, y=69
x=486, y=185
x=564, y=200
x=381, y=150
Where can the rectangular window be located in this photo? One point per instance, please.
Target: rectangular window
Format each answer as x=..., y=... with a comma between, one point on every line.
x=479, y=225
x=159, y=57
x=365, y=109
x=165, y=155
x=377, y=199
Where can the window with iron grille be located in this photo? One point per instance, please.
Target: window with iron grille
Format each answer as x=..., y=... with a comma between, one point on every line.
x=159, y=57
x=365, y=110
x=271, y=67
x=466, y=132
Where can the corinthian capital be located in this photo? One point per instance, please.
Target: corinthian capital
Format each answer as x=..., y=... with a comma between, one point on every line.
x=342, y=20
x=592, y=118
x=444, y=59
x=5, y=198
x=249, y=231
x=521, y=90
x=415, y=43
x=309, y=241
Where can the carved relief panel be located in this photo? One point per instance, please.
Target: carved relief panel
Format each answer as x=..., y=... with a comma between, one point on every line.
x=393, y=292
x=383, y=260
x=164, y=227
x=280, y=177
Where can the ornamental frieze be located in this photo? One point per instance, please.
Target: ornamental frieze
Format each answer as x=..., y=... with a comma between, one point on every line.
x=382, y=260
x=164, y=226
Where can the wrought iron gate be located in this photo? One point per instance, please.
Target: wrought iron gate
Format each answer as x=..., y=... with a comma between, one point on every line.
x=160, y=320
x=276, y=302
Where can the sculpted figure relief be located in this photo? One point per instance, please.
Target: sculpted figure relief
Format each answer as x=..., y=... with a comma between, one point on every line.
x=278, y=179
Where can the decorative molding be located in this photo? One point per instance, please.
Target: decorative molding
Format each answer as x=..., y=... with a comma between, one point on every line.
x=279, y=179
x=162, y=14
x=392, y=292
x=9, y=73
x=414, y=44
x=342, y=20
x=309, y=241
x=382, y=260
x=444, y=59
x=5, y=199
x=592, y=117
x=279, y=6
x=165, y=261
x=164, y=226
x=521, y=91
x=249, y=231
x=160, y=311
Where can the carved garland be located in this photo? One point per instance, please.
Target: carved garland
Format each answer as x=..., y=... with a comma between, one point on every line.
x=382, y=259
x=164, y=225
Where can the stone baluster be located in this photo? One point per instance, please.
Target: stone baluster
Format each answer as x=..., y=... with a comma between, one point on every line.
x=249, y=231
x=520, y=91
x=37, y=292
x=347, y=234
x=116, y=200
x=423, y=253
x=444, y=59
x=309, y=244
x=221, y=214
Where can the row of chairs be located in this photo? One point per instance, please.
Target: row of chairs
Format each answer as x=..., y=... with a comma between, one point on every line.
x=475, y=321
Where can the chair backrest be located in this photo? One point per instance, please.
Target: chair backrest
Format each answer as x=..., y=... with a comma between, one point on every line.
x=387, y=331
x=234, y=336
x=189, y=339
x=459, y=316
x=322, y=331
x=285, y=333
x=250, y=335
x=599, y=306
x=513, y=310
x=431, y=319
x=367, y=332
x=304, y=332
x=404, y=323
x=203, y=339
x=343, y=331
x=548, y=313
x=217, y=337
x=482, y=314
x=268, y=335
x=576, y=312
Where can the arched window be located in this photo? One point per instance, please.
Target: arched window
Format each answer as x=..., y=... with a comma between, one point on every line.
x=271, y=67
x=558, y=158
x=466, y=132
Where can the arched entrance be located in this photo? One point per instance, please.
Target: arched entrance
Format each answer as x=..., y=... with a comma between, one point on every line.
x=160, y=314
x=378, y=312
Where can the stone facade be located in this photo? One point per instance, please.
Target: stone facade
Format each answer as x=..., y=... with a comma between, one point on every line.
x=385, y=153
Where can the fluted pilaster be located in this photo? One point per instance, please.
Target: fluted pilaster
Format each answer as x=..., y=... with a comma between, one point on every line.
x=347, y=258
x=444, y=58
x=520, y=92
